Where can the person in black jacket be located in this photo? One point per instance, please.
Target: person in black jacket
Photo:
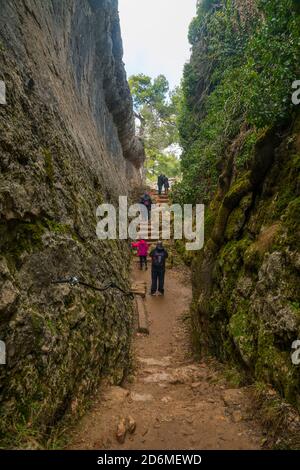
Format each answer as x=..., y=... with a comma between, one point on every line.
x=160, y=183
x=147, y=202
x=166, y=184
x=159, y=256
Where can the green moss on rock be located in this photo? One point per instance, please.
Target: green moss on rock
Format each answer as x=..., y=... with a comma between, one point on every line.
x=241, y=330
x=48, y=163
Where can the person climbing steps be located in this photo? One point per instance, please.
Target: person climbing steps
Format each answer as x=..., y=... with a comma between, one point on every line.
x=142, y=251
x=160, y=183
x=147, y=202
x=166, y=184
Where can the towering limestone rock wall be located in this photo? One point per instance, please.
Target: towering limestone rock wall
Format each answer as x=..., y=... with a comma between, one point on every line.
x=241, y=138
x=67, y=143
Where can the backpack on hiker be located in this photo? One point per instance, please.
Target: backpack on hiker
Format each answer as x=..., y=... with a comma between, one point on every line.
x=158, y=258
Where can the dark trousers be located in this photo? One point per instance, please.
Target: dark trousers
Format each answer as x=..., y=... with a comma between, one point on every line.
x=159, y=189
x=158, y=280
x=143, y=261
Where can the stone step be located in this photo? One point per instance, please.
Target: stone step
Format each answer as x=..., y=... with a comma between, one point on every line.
x=145, y=233
x=139, y=288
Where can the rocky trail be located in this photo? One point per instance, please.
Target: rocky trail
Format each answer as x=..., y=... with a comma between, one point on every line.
x=171, y=401
x=88, y=358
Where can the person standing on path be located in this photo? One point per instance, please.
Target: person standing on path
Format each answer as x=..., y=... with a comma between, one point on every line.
x=160, y=183
x=142, y=251
x=166, y=184
x=159, y=256
x=147, y=201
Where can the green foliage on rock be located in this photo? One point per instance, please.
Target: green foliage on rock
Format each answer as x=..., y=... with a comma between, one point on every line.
x=240, y=77
x=239, y=131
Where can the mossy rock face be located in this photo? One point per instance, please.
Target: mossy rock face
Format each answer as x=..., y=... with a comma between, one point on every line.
x=186, y=256
x=241, y=187
x=61, y=341
x=275, y=367
x=292, y=224
x=237, y=218
x=232, y=254
x=48, y=163
x=60, y=346
x=241, y=153
x=254, y=255
x=242, y=334
x=250, y=313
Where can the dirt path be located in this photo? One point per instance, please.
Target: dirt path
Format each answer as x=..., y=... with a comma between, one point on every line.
x=174, y=402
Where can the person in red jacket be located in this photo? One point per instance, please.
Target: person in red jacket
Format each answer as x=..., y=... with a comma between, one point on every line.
x=142, y=251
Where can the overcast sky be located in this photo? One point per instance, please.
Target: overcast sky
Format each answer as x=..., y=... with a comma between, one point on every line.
x=155, y=36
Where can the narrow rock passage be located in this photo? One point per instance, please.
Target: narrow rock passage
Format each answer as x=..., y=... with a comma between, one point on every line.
x=171, y=401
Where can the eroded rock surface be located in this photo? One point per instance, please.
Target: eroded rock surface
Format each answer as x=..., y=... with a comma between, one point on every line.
x=67, y=144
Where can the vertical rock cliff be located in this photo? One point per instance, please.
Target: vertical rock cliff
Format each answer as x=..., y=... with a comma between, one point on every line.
x=240, y=133
x=67, y=143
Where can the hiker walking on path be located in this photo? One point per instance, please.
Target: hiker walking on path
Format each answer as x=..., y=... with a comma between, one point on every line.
x=159, y=256
x=147, y=201
x=166, y=184
x=142, y=251
x=160, y=183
